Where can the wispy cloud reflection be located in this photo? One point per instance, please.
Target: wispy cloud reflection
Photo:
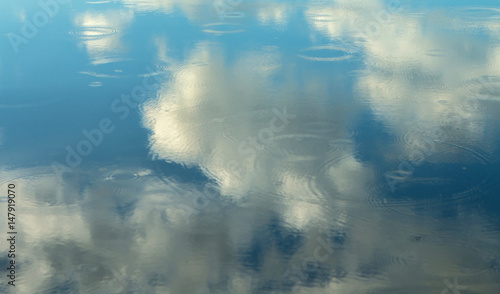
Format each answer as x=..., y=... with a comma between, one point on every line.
x=274, y=14
x=191, y=9
x=413, y=74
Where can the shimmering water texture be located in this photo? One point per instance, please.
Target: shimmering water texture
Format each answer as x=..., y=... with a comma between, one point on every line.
x=251, y=146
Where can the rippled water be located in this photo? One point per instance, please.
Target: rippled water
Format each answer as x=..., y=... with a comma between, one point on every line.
x=250, y=146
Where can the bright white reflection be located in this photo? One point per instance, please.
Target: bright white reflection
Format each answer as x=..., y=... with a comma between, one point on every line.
x=416, y=79
x=100, y=34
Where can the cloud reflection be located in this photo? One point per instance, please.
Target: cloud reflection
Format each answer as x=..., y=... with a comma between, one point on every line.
x=305, y=176
x=275, y=138
x=100, y=34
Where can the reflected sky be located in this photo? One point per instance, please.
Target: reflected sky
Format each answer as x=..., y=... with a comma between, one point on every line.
x=251, y=146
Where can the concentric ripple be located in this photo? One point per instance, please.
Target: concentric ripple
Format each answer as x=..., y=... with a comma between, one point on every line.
x=116, y=68
x=480, y=13
x=327, y=53
x=320, y=127
x=321, y=17
x=335, y=177
x=299, y=145
x=191, y=76
x=449, y=178
x=420, y=139
x=223, y=28
x=234, y=14
x=437, y=52
x=123, y=175
x=94, y=33
x=98, y=2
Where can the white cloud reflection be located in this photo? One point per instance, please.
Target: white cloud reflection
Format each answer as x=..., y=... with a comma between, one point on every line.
x=211, y=106
x=100, y=34
x=101, y=228
x=414, y=76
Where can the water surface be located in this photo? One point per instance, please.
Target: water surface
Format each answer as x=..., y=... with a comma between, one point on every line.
x=251, y=146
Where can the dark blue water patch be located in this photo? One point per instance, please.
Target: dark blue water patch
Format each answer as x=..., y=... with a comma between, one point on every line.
x=490, y=200
x=337, y=238
x=286, y=240
x=68, y=121
x=4, y=264
x=253, y=257
x=220, y=285
x=171, y=170
x=494, y=268
x=321, y=275
x=369, y=270
x=268, y=286
x=42, y=73
x=435, y=189
x=158, y=279
x=372, y=139
x=126, y=210
x=57, y=287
